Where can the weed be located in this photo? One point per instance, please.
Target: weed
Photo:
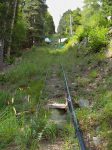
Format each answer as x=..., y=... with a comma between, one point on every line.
x=8, y=127
x=2, y=78
x=82, y=81
x=4, y=97
x=93, y=74
x=50, y=131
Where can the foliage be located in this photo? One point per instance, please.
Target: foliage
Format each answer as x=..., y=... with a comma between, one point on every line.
x=90, y=78
x=94, y=24
x=50, y=131
x=20, y=33
x=98, y=38
x=26, y=82
x=92, y=28
x=4, y=97
x=107, y=7
x=64, y=24
x=81, y=33
x=7, y=131
x=49, y=25
x=23, y=24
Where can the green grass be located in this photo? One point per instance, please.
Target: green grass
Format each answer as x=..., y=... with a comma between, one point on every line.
x=4, y=96
x=8, y=127
x=93, y=74
x=24, y=83
x=88, y=74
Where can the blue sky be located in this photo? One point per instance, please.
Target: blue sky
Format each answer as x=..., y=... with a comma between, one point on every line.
x=58, y=7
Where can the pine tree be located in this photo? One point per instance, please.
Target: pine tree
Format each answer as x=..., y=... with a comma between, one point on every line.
x=35, y=13
x=49, y=27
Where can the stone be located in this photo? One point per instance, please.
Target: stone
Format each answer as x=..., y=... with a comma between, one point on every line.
x=83, y=103
x=96, y=140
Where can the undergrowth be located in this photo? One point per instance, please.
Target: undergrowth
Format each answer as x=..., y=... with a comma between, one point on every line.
x=20, y=100
x=91, y=79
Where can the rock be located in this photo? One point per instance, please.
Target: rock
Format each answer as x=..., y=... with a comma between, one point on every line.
x=97, y=129
x=83, y=103
x=96, y=140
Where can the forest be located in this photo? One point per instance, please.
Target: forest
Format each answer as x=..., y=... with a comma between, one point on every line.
x=23, y=24
x=55, y=84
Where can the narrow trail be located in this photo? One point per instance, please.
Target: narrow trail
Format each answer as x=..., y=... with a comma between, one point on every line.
x=56, y=101
x=57, y=145
x=54, y=84
x=56, y=98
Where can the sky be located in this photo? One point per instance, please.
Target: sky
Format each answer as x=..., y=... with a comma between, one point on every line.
x=58, y=7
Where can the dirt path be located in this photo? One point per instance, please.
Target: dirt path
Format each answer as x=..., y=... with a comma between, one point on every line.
x=55, y=95
x=57, y=145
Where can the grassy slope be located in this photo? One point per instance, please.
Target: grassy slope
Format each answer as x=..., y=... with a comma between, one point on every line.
x=20, y=90
x=91, y=77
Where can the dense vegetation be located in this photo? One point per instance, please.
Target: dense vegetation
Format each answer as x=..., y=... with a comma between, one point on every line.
x=23, y=24
x=87, y=60
x=91, y=40
x=64, y=24
x=90, y=24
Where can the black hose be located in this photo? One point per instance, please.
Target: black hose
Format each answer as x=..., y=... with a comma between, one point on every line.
x=73, y=114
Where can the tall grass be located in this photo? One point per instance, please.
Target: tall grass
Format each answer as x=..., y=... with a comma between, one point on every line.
x=24, y=82
x=8, y=127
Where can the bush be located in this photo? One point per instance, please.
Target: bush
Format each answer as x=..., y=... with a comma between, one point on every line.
x=81, y=33
x=97, y=38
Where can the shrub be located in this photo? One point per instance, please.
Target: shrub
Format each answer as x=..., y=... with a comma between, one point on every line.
x=97, y=38
x=81, y=33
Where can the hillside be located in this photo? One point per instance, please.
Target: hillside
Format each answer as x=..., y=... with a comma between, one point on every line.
x=23, y=99
x=55, y=75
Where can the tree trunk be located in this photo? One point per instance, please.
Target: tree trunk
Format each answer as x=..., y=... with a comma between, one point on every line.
x=1, y=53
x=4, y=30
x=12, y=27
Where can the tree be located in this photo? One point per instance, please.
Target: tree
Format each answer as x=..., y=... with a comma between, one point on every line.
x=49, y=26
x=94, y=25
x=8, y=13
x=12, y=27
x=23, y=22
x=35, y=13
x=3, y=16
x=64, y=24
